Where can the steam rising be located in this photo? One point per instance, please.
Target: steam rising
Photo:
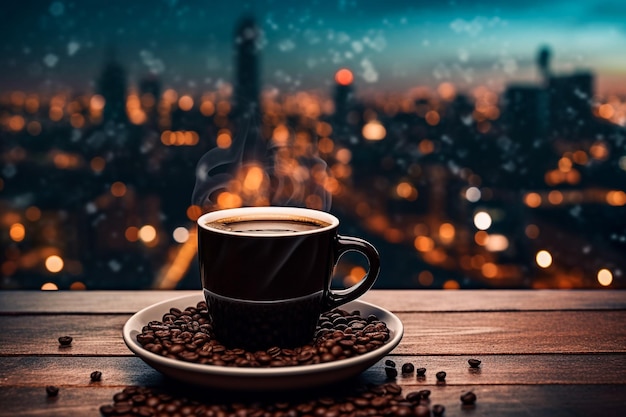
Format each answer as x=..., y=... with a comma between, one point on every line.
x=283, y=170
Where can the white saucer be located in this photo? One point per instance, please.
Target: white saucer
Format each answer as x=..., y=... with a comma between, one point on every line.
x=258, y=379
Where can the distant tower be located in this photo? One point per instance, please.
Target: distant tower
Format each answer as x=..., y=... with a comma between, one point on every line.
x=112, y=86
x=543, y=63
x=247, y=89
x=343, y=100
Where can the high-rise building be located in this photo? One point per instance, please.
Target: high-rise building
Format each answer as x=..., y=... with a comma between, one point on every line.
x=112, y=86
x=247, y=89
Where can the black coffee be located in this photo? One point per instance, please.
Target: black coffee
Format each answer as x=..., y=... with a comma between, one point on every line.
x=268, y=224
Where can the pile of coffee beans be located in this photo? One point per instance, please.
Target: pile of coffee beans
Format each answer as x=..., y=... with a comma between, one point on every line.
x=188, y=335
x=373, y=400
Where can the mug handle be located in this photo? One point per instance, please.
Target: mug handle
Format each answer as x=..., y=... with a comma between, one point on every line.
x=346, y=244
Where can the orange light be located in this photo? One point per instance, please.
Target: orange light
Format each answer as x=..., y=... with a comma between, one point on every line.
x=480, y=237
x=423, y=243
x=193, y=212
x=555, y=197
x=326, y=145
x=253, y=179
x=451, y=285
x=344, y=77
x=97, y=164
x=49, y=286
x=374, y=130
x=446, y=232
x=446, y=91
x=432, y=118
x=54, y=263
x=532, y=231
x=489, y=270
x=281, y=135
x=132, y=234
x=425, y=278
x=224, y=140
x=207, y=108
x=147, y=233
x=185, y=103
x=606, y=111
x=118, y=189
x=228, y=200
x=532, y=200
x=78, y=286
x=17, y=232
x=33, y=213
x=426, y=146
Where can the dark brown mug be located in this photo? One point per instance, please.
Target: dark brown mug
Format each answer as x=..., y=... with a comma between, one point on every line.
x=266, y=273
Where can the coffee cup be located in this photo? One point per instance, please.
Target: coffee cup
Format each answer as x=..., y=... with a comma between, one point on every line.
x=266, y=273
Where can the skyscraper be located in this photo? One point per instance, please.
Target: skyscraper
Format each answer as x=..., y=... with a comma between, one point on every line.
x=112, y=86
x=247, y=89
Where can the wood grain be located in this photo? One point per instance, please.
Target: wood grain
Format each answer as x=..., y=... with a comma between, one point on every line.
x=425, y=333
x=113, y=302
x=492, y=400
x=32, y=371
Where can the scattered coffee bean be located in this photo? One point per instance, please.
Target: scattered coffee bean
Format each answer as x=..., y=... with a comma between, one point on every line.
x=408, y=368
x=474, y=363
x=188, y=336
x=65, y=340
x=420, y=371
x=372, y=400
x=391, y=372
x=424, y=394
x=438, y=410
x=441, y=376
x=96, y=376
x=468, y=398
x=52, y=391
x=421, y=411
x=391, y=363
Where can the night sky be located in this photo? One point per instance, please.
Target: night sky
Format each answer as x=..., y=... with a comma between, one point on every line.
x=391, y=45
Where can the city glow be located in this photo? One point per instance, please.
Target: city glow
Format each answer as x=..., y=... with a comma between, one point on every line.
x=118, y=189
x=543, y=258
x=532, y=200
x=54, y=263
x=605, y=277
x=344, y=77
x=147, y=233
x=49, y=286
x=374, y=130
x=17, y=232
x=446, y=232
x=180, y=234
x=497, y=243
x=472, y=194
x=482, y=220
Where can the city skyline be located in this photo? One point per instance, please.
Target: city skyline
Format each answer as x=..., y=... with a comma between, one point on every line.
x=54, y=45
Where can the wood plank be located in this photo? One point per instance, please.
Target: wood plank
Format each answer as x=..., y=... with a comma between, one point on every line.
x=492, y=400
x=40, y=302
x=494, y=370
x=425, y=333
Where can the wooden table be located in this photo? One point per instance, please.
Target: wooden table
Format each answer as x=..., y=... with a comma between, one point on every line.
x=543, y=353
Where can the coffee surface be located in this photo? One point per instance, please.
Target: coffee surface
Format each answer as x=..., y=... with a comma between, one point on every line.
x=267, y=224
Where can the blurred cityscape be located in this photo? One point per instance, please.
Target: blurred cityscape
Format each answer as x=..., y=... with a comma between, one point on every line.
x=457, y=189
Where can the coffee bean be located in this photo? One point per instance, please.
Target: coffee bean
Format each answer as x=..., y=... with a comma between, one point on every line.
x=424, y=394
x=441, y=376
x=420, y=371
x=438, y=410
x=52, y=391
x=422, y=411
x=107, y=410
x=474, y=363
x=391, y=372
x=468, y=398
x=96, y=376
x=391, y=363
x=65, y=340
x=339, y=335
x=408, y=368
